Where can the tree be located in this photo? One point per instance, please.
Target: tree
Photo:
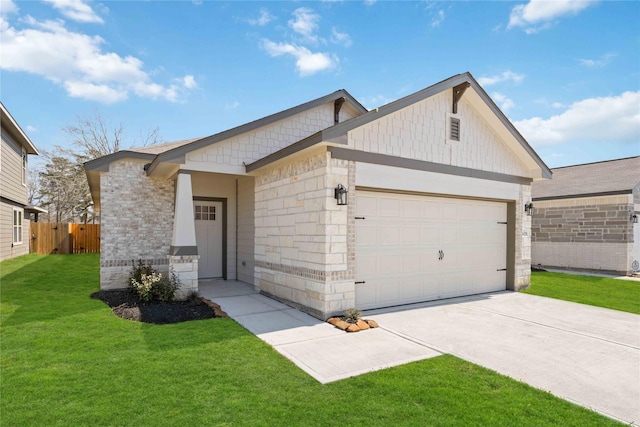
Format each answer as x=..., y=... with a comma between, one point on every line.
x=62, y=187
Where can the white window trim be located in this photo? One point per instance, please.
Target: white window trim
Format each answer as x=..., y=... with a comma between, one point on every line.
x=18, y=226
x=448, y=128
x=23, y=165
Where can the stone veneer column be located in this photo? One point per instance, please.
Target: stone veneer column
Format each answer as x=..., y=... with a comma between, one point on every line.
x=183, y=254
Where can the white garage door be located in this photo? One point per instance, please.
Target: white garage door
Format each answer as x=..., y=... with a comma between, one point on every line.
x=417, y=248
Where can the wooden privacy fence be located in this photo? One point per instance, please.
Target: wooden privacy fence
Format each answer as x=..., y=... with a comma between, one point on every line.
x=62, y=238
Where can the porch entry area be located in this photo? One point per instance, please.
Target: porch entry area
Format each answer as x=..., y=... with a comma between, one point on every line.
x=209, y=218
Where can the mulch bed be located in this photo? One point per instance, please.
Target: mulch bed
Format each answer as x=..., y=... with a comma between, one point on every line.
x=125, y=304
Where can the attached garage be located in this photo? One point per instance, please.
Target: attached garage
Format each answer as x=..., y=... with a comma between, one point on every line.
x=413, y=248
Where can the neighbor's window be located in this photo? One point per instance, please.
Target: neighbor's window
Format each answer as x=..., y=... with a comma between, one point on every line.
x=17, y=225
x=24, y=166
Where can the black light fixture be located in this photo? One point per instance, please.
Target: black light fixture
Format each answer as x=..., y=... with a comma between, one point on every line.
x=340, y=193
x=634, y=218
x=528, y=208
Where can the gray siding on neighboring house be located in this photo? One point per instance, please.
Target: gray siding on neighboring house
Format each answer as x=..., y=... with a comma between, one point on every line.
x=7, y=249
x=11, y=186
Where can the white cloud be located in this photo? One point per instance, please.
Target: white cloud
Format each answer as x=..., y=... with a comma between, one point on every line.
x=189, y=82
x=505, y=76
x=370, y=2
x=77, y=10
x=600, y=62
x=307, y=62
x=538, y=15
x=340, y=38
x=264, y=18
x=76, y=62
x=606, y=119
x=505, y=103
x=438, y=19
x=31, y=129
x=305, y=23
x=558, y=105
x=7, y=7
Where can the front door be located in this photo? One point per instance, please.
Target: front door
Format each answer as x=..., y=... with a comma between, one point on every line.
x=208, y=220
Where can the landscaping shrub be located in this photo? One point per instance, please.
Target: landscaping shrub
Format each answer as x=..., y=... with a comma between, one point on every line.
x=151, y=285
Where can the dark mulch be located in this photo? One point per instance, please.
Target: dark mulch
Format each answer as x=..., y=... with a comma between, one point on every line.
x=127, y=305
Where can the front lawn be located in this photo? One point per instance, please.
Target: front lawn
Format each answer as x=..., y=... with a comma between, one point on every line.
x=68, y=360
x=617, y=294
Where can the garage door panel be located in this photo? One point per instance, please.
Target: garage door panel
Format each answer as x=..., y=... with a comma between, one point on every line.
x=419, y=248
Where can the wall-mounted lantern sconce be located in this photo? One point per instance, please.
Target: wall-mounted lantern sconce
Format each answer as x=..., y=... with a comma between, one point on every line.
x=341, y=194
x=634, y=218
x=528, y=208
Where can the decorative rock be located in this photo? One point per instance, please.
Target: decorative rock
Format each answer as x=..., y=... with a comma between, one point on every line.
x=353, y=328
x=372, y=323
x=334, y=320
x=341, y=324
x=362, y=325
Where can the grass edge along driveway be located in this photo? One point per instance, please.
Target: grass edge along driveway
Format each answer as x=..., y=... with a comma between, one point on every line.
x=67, y=360
x=616, y=294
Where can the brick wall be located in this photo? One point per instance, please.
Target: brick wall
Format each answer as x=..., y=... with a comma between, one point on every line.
x=136, y=221
x=592, y=233
x=301, y=247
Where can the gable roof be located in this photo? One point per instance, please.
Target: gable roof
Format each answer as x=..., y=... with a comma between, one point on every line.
x=178, y=153
x=478, y=97
x=619, y=176
x=9, y=125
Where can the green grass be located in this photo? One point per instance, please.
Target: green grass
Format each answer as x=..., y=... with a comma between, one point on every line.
x=67, y=360
x=617, y=294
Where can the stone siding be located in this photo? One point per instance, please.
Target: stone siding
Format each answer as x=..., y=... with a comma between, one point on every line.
x=584, y=233
x=301, y=245
x=136, y=221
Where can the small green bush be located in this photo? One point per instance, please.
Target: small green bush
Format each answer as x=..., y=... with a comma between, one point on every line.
x=352, y=315
x=151, y=285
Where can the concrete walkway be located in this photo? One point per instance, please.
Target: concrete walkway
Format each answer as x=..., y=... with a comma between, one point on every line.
x=587, y=355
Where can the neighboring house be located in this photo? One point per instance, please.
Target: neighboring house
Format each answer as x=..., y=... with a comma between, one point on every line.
x=586, y=217
x=15, y=210
x=436, y=185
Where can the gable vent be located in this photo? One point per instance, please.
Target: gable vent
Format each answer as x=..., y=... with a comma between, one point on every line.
x=454, y=130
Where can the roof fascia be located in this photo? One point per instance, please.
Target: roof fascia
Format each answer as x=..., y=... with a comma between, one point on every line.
x=101, y=164
x=583, y=195
x=307, y=142
x=177, y=154
x=17, y=132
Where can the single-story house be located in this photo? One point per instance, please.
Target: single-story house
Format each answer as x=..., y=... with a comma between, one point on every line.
x=15, y=209
x=327, y=206
x=586, y=218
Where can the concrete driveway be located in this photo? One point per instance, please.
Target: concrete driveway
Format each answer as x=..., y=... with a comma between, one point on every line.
x=584, y=354
x=587, y=355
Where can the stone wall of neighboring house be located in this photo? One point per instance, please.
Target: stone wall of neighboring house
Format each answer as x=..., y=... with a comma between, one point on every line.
x=303, y=255
x=137, y=221
x=591, y=233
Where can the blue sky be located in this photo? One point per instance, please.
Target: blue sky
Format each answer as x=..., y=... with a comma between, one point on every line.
x=566, y=73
